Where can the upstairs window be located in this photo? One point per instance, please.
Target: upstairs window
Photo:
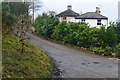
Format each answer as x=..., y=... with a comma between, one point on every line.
x=98, y=22
x=83, y=20
x=64, y=18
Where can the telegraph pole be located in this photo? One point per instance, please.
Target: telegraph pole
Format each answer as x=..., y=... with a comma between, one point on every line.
x=33, y=12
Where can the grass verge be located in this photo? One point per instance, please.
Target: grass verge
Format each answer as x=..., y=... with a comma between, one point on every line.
x=33, y=63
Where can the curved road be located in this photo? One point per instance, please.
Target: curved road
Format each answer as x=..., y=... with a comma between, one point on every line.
x=75, y=63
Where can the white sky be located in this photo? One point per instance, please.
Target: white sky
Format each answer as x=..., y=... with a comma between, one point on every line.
x=109, y=8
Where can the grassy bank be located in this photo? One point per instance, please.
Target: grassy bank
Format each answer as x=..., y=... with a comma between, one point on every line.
x=0, y=55
x=33, y=63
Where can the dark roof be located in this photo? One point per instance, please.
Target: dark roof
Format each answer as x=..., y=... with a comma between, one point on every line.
x=91, y=15
x=68, y=13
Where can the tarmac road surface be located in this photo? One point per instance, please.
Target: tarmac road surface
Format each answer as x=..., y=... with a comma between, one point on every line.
x=76, y=63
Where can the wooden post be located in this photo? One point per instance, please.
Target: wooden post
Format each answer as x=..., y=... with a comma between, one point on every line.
x=33, y=12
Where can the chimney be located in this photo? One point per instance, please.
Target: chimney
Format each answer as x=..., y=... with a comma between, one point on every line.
x=98, y=10
x=69, y=7
x=81, y=13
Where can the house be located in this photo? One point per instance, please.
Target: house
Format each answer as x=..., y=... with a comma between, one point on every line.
x=94, y=19
x=68, y=15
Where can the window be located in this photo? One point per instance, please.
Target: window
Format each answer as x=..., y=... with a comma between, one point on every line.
x=64, y=18
x=98, y=22
x=83, y=20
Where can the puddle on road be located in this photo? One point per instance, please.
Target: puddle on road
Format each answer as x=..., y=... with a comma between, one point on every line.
x=84, y=63
x=96, y=62
x=89, y=63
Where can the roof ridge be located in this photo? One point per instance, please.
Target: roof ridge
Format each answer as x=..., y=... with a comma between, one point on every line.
x=68, y=12
x=90, y=15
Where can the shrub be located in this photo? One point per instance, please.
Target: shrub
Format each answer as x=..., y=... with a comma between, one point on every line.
x=118, y=51
x=45, y=24
x=32, y=29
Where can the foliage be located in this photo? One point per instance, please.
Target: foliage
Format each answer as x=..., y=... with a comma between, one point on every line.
x=16, y=14
x=7, y=21
x=118, y=50
x=10, y=13
x=7, y=18
x=108, y=37
x=18, y=8
x=44, y=24
x=32, y=29
x=117, y=29
x=30, y=63
x=111, y=37
x=60, y=31
x=79, y=34
x=82, y=35
x=33, y=63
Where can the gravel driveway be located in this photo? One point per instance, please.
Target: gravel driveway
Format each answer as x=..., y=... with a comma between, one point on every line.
x=76, y=63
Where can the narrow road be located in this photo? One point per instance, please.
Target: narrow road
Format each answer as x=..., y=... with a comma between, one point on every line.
x=75, y=63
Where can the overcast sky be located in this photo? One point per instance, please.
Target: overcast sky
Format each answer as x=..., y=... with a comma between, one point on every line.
x=109, y=8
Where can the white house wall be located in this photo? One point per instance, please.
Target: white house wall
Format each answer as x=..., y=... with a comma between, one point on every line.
x=60, y=19
x=105, y=22
x=93, y=22
x=68, y=19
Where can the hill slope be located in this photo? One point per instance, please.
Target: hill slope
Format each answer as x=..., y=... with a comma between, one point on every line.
x=33, y=63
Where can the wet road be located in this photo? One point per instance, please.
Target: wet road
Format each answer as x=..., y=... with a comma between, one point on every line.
x=77, y=64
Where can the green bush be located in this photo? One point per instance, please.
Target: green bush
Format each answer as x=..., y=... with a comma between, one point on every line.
x=118, y=51
x=45, y=24
x=78, y=34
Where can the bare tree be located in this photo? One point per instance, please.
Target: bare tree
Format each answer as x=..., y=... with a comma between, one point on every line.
x=22, y=27
x=34, y=6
